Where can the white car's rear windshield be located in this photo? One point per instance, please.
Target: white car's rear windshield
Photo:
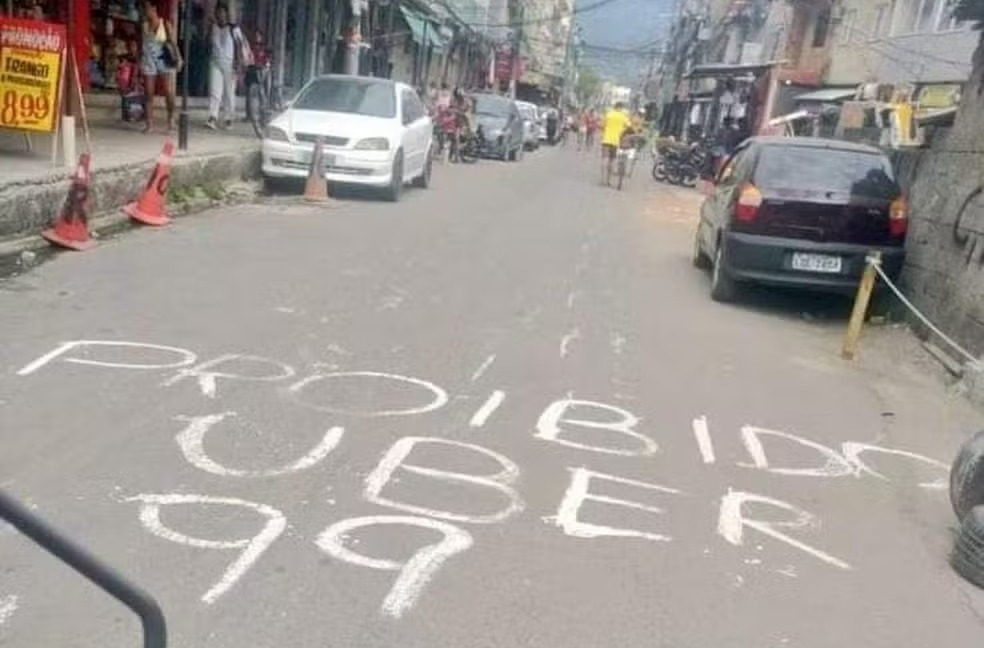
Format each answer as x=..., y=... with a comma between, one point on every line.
x=354, y=96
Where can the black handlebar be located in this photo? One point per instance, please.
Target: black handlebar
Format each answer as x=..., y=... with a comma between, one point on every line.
x=79, y=559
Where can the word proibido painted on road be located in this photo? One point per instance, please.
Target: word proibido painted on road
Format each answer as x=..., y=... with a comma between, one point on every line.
x=590, y=428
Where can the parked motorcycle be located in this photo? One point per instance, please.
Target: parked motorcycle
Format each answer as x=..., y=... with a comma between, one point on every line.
x=681, y=166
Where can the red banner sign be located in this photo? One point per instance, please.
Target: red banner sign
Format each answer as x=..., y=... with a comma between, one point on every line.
x=504, y=65
x=31, y=57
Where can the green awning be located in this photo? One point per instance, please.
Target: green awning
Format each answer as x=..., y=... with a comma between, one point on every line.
x=423, y=30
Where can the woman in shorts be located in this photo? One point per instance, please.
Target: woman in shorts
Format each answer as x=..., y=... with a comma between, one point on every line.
x=160, y=58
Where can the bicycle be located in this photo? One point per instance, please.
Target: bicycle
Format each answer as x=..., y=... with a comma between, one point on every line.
x=625, y=157
x=262, y=99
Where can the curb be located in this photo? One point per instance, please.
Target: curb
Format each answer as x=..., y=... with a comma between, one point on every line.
x=28, y=208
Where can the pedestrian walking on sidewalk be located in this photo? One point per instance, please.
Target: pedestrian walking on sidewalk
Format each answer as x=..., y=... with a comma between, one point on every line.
x=160, y=60
x=224, y=61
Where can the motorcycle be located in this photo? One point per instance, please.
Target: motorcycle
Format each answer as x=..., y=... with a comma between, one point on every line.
x=662, y=149
x=683, y=168
x=470, y=146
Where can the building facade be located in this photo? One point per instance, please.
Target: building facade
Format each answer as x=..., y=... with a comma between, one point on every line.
x=905, y=41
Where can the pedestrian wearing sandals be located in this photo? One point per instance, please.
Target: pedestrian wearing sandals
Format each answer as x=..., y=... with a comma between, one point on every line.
x=160, y=58
x=226, y=50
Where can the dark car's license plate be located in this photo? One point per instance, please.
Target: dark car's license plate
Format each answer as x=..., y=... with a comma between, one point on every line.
x=808, y=262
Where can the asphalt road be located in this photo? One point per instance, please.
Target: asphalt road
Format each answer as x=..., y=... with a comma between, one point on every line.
x=504, y=412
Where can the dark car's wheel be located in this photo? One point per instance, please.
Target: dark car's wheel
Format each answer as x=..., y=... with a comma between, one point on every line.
x=967, y=558
x=423, y=181
x=395, y=188
x=699, y=258
x=967, y=476
x=723, y=287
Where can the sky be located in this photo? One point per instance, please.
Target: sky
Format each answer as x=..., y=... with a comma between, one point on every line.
x=623, y=24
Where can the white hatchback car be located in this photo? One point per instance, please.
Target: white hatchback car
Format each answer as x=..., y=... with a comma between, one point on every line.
x=374, y=132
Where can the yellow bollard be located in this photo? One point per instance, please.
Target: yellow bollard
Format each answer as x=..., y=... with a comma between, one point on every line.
x=861, y=301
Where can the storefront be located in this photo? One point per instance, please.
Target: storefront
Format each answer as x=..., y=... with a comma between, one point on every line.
x=105, y=33
x=744, y=94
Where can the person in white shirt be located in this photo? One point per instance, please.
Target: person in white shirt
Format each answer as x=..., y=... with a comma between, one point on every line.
x=224, y=62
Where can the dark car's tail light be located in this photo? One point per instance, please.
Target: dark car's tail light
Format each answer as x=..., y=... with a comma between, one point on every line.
x=898, y=217
x=749, y=202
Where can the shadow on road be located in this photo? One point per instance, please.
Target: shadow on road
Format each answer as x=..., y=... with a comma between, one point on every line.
x=795, y=304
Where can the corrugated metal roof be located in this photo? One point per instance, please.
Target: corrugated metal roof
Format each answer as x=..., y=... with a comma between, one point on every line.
x=827, y=94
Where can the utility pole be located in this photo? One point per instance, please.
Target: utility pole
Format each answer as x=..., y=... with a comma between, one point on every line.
x=566, y=68
x=520, y=15
x=186, y=54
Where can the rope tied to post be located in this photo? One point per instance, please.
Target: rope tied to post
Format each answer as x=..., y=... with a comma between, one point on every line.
x=873, y=270
x=919, y=315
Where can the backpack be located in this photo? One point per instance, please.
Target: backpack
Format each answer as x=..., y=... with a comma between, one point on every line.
x=246, y=58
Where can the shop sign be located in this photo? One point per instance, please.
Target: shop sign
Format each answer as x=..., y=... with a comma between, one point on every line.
x=504, y=65
x=31, y=57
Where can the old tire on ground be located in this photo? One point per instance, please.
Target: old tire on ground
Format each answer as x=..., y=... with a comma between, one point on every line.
x=395, y=188
x=967, y=558
x=723, y=287
x=967, y=476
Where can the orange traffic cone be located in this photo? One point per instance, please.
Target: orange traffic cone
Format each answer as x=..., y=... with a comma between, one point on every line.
x=316, y=188
x=149, y=207
x=71, y=226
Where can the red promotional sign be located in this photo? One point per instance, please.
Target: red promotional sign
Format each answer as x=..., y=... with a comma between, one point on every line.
x=31, y=53
x=504, y=65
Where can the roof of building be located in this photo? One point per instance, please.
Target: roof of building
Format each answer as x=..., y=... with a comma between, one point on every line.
x=827, y=94
x=729, y=70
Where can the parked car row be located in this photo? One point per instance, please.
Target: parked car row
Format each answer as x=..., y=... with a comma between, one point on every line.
x=377, y=133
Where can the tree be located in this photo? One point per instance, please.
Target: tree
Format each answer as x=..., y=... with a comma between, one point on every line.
x=588, y=86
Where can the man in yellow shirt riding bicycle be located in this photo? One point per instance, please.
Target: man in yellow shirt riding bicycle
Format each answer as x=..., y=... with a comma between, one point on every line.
x=614, y=125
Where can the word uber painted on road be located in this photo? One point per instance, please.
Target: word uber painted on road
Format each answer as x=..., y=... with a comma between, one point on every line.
x=562, y=422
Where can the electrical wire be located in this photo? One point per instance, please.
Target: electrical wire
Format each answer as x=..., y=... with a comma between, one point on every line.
x=598, y=4
x=908, y=50
x=642, y=50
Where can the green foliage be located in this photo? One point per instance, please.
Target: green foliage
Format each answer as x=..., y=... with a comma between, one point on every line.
x=588, y=86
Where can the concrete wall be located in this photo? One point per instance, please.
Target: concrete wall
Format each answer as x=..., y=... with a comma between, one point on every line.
x=945, y=267
x=808, y=62
x=28, y=208
x=866, y=49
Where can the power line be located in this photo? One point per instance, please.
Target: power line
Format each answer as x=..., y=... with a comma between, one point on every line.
x=889, y=43
x=646, y=49
x=598, y=4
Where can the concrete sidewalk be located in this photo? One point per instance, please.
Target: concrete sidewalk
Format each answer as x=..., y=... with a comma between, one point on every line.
x=32, y=190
